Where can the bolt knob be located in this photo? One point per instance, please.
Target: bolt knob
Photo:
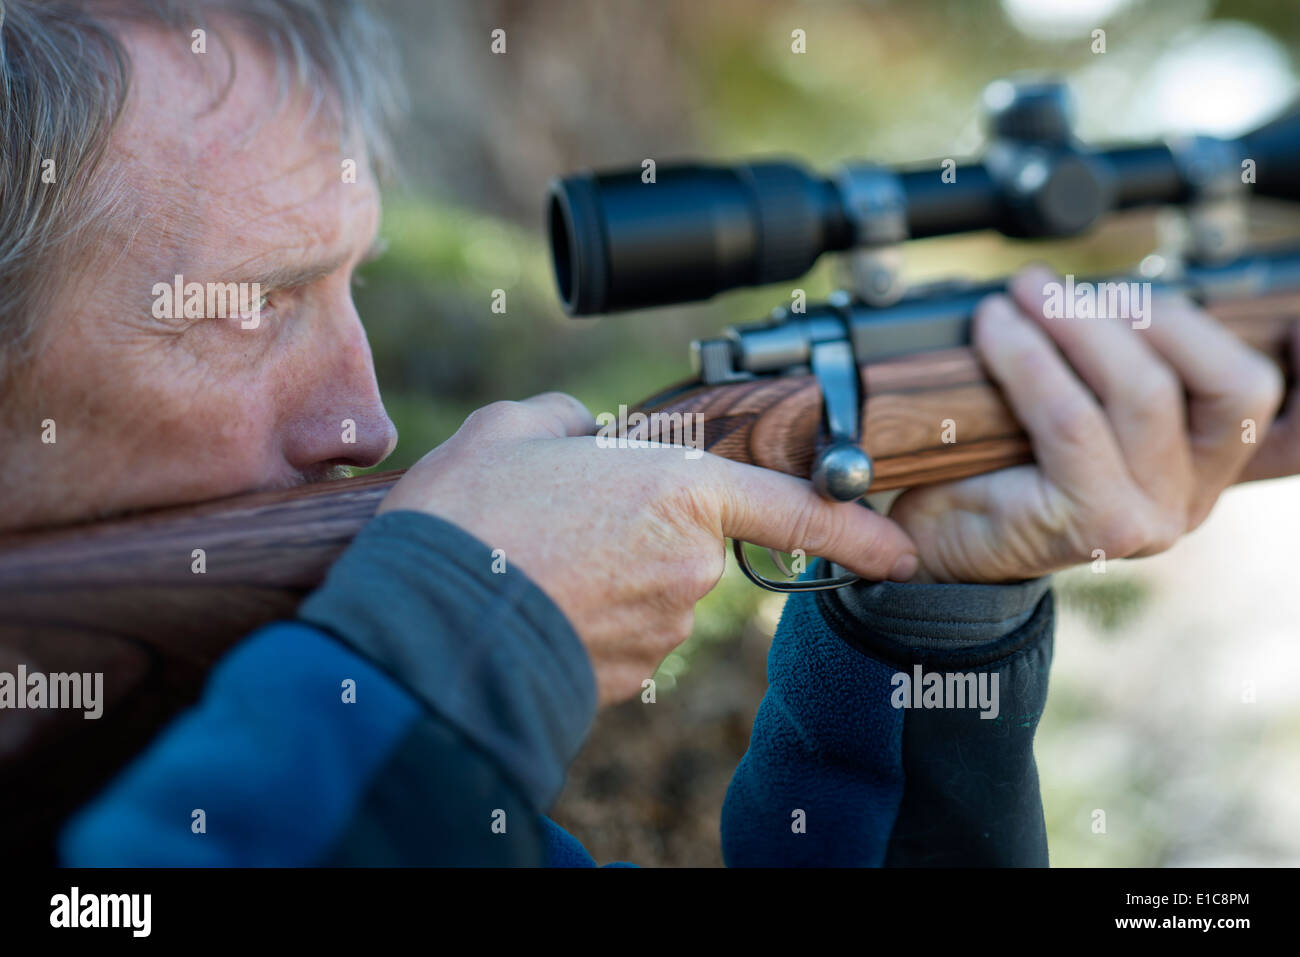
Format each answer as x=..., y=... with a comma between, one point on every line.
x=842, y=472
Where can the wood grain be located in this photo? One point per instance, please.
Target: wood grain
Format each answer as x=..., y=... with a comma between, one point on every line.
x=908, y=402
x=119, y=597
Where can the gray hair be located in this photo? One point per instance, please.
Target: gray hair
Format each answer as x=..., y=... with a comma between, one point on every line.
x=64, y=78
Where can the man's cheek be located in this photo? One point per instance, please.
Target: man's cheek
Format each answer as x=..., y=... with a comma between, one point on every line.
x=193, y=433
x=219, y=423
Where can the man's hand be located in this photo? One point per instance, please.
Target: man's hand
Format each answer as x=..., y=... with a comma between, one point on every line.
x=1135, y=433
x=626, y=541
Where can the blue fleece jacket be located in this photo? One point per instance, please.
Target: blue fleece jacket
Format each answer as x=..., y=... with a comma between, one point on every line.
x=422, y=711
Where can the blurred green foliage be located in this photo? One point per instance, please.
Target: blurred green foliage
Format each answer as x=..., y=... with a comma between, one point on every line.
x=1107, y=602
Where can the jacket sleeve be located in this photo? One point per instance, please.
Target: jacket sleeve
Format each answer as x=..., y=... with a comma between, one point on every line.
x=422, y=710
x=898, y=729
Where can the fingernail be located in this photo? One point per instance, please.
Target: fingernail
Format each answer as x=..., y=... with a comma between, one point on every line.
x=904, y=569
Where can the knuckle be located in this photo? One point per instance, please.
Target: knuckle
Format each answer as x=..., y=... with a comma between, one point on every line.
x=1134, y=533
x=682, y=627
x=1158, y=394
x=691, y=577
x=1072, y=420
x=1164, y=532
x=547, y=407
x=561, y=396
x=496, y=415
x=1264, y=388
x=625, y=682
x=1119, y=533
x=705, y=571
x=674, y=621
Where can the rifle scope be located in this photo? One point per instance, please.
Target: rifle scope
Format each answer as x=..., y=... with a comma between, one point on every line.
x=620, y=242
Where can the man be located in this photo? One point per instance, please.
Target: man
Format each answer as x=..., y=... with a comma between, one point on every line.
x=471, y=692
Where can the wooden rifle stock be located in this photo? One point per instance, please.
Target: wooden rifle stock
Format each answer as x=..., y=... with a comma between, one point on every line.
x=774, y=422
x=120, y=596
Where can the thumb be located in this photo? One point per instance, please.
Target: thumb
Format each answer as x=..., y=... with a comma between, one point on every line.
x=780, y=511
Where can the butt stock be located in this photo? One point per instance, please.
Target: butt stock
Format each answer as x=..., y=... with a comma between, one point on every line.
x=123, y=597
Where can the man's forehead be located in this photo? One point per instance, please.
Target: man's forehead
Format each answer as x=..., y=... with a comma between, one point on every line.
x=217, y=158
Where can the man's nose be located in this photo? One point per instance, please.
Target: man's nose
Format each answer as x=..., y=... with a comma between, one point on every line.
x=341, y=419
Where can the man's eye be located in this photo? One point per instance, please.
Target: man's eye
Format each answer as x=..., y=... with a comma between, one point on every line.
x=261, y=308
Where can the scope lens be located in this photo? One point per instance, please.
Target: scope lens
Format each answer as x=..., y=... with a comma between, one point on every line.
x=561, y=250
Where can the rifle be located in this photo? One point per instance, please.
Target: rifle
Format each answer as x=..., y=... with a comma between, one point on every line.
x=851, y=393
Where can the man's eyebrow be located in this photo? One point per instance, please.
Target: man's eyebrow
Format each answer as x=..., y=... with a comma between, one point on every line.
x=291, y=275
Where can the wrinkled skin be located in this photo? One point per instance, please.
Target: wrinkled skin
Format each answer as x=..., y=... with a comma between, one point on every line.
x=1135, y=433
x=154, y=411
